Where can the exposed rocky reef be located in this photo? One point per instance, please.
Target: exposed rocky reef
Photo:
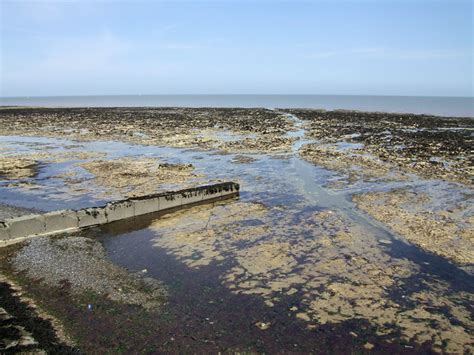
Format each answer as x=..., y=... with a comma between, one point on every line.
x=136, y=177
x=431, y=146
x=447, y=231
x=208, y=128
x=294, y=242
x=74, y=171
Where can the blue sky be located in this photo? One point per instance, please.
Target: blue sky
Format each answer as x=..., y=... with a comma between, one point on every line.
x=405, y=47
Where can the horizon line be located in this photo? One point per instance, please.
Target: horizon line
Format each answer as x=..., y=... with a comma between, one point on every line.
x=260, y=94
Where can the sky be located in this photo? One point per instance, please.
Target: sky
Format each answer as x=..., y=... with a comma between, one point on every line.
x=343, y=47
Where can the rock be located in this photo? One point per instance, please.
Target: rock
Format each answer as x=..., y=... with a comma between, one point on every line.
x=368, y=346
x=263, y=325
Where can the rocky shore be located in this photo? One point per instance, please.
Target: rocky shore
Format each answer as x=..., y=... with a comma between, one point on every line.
x=79, y=263
x=431, y=156
x=346, y=217
x=226, y=129
x=430, y=146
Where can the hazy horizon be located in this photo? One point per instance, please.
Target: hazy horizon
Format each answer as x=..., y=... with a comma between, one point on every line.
x=239, y=94
x=437, y=105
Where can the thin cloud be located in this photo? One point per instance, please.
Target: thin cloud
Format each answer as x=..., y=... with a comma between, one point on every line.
x=178, y=46
x=383, y=53
x=340, y=53
x=427, y=54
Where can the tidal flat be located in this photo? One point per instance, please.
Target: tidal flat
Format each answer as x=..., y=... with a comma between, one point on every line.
x=353, y=231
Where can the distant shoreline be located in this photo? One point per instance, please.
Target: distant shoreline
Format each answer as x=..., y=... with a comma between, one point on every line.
x=419, y=105
x=341, y=110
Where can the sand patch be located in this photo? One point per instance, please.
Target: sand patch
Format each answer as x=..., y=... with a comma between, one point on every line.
x=448, y=231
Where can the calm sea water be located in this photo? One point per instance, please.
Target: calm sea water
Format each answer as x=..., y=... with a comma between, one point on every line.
x=447, y=106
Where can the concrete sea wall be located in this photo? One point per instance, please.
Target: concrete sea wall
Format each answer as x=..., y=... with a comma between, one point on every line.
x=71, y=220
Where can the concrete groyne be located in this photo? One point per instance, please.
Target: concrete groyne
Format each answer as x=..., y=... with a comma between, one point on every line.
x=18, y=228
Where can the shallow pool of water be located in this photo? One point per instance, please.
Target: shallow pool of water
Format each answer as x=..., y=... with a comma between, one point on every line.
x=289, y=262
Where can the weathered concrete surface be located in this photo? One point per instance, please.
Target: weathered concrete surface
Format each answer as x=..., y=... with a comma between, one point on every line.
x=65, y=219
x=146, y=206
x=116, y=211
x=4, y=231
x=15, y=229
x=24, y=226
x=170, y=201
x=91, y=217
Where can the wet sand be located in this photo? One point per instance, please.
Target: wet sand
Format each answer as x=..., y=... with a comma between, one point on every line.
x=353, y=230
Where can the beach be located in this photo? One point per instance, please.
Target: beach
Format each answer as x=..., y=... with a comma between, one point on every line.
x=353, y=230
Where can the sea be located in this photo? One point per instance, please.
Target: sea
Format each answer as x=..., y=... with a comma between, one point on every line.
x=432, y=105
